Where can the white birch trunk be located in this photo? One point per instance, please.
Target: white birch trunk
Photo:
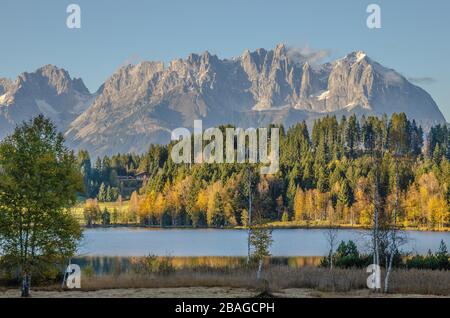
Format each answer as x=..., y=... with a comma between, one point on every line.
x=260, y=265
x=393, y=243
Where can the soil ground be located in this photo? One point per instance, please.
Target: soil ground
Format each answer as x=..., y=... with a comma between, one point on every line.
x=197, y=292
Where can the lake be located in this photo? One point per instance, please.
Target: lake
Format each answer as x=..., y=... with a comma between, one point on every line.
x=220, y=242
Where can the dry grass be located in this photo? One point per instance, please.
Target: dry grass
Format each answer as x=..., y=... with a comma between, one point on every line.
x=276, y=279
x=426, y=282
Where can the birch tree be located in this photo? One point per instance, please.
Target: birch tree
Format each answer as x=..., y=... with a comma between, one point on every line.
x=39, y=180
x=260, y=240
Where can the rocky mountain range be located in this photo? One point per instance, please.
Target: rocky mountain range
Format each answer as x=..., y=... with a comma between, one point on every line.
x=49, y=91
x=141, y=104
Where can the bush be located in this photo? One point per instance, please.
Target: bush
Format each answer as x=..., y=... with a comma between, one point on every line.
x=88, y=271
x=347, y=256
x=437, y=261
x=48, y=270
x=154, y=264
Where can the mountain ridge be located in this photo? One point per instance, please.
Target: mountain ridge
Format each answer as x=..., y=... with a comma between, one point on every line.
x=140, y=104
x=49, y=90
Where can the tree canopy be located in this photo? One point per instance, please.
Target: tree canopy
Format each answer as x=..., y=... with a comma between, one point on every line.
x=39, y=182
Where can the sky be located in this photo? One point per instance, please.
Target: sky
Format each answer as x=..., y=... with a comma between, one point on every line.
x=413, y=38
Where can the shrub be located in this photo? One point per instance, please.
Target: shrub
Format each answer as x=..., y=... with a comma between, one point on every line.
x=434, y=261
x=347, y=256
x=154, y=264
x=88, y=271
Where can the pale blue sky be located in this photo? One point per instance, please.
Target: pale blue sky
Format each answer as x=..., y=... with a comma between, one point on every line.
x=414, y=38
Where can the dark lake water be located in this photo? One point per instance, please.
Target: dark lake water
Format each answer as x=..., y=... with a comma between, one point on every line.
x=217, y=242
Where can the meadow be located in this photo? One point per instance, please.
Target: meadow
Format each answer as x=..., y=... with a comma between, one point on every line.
x=277, y=281
x=124, y=217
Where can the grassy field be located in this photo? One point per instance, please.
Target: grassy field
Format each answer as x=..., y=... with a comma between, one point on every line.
x=123, y=219
x=227, y=277
x=280, y=281
x=276, y=278
x=122, y=208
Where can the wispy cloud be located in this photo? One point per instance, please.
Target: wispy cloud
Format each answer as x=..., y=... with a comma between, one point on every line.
x=307, y=54
x=132, y=60
x=422, y=80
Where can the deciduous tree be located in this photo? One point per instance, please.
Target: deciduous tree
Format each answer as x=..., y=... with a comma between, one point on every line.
x=39, y=181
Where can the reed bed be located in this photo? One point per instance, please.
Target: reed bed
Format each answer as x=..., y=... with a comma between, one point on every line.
x=275, y=278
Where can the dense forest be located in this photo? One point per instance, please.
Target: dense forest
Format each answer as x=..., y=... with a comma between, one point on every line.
x=336, y=173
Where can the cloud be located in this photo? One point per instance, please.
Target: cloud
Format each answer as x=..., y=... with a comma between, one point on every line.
x=306, y=54
x=422, y=80
x=132, y=60
x=393, y=77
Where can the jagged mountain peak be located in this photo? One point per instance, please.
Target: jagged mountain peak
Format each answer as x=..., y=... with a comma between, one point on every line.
x=356, y=57
x=140, y=104
x=49, y=90
x=280, y=50
x=5, y=85
x=360, y=59
x=51, y=76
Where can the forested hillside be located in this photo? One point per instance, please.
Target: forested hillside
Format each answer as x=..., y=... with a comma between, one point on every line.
x=333, y=175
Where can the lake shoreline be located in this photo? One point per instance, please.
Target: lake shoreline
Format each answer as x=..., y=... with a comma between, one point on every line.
x=134, y=240
x=272, y=226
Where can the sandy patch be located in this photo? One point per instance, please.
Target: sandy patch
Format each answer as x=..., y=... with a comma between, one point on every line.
x=191, y=292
